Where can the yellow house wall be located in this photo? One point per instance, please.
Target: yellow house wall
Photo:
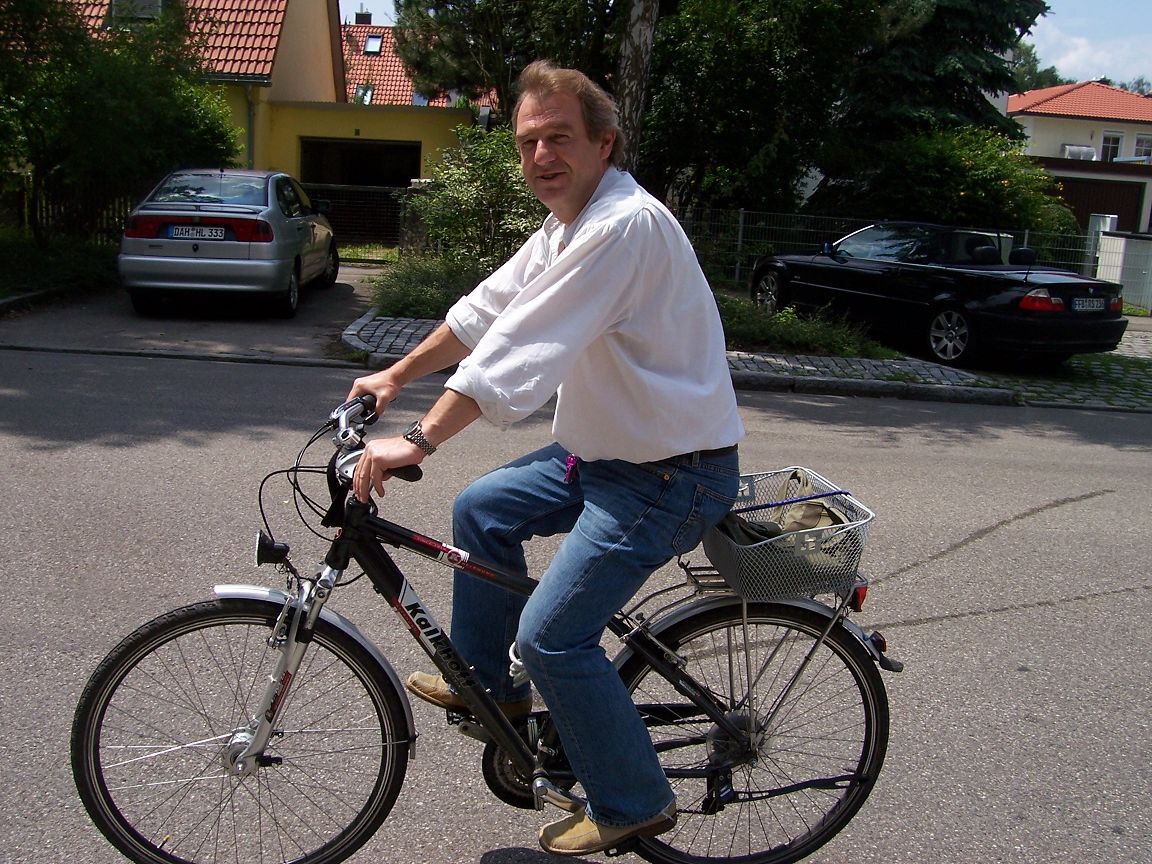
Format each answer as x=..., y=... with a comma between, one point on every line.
x=278, y=127
x=288, y=123
x=303, y=56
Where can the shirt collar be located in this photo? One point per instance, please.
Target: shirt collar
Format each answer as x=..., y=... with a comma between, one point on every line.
x=612, y=178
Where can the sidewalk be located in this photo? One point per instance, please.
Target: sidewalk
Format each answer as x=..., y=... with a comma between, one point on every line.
x=1084, y=383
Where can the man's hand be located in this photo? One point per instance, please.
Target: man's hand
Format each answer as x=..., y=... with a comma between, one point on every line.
x=380, y=385
x=380, y=457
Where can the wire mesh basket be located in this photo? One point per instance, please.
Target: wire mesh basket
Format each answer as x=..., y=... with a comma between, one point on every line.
x=819, y=536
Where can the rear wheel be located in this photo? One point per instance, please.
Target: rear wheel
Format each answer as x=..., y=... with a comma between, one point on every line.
x=767, y=290
x=145, y=304
x=949, y=336
x=167, y=713
x=814, y=735
x=327, y=277
x=288, y=301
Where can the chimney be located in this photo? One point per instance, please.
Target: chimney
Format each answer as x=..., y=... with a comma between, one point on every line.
x=363, y=17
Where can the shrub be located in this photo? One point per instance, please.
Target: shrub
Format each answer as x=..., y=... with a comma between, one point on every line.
x=65, y=265
x=749, y=328
x=477, y=206
x=425, y=286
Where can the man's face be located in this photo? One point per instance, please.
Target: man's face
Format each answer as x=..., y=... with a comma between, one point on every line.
x=561, y=164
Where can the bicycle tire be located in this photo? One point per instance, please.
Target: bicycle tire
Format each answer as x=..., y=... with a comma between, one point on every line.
x=831, y=730
x=153, y=724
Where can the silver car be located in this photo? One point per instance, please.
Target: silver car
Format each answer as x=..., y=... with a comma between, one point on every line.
x=227, y=230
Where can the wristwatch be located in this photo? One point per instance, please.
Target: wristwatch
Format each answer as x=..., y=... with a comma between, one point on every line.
x=416, y=435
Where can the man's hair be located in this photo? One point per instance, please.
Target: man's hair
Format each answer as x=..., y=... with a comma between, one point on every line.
x=544, y=78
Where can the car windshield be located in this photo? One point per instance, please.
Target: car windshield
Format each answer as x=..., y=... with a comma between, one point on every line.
x=212, y=189
x=910, y=243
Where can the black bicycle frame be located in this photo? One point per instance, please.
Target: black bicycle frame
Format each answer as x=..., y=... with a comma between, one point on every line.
x=361, y=539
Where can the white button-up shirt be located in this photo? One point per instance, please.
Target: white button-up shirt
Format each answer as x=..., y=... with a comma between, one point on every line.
x=613, y=314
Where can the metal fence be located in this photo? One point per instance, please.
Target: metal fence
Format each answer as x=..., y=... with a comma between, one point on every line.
x=369, y=222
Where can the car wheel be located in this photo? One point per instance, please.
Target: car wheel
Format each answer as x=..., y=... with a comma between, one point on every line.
x=146, y=305
x=950, y=336
x=768, y=290
x=327, y=277
x=288, y=301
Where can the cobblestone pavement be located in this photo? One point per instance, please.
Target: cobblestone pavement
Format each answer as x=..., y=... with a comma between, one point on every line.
x=1120, y=380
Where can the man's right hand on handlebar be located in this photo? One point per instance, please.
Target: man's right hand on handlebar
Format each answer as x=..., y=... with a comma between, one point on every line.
x=380, y=457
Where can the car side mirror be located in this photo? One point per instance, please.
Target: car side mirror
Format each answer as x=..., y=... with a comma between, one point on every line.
x=827, y=249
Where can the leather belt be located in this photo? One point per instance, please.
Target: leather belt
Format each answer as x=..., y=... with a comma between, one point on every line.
x=696, y=456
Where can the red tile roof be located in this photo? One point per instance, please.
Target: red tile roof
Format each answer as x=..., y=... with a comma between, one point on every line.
x=383, y=70
x=1088, y=100
x=241, y=34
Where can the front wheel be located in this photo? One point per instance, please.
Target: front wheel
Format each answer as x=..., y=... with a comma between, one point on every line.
x=815, y=732
x=168, y=711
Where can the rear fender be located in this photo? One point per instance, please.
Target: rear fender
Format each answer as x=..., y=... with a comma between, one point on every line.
x=279, y=598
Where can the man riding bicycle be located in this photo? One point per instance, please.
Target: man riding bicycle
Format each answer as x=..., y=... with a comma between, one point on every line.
x=606, y=307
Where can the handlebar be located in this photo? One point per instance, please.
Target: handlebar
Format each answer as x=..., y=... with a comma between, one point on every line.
x=349, y=420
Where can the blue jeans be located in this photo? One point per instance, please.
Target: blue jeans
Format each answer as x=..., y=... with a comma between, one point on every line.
x=623, y=521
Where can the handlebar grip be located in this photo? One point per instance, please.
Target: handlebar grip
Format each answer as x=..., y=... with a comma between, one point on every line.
x=369, y=402
x=411, y=473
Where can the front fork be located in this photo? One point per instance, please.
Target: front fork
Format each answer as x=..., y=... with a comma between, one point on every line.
x=290, y=637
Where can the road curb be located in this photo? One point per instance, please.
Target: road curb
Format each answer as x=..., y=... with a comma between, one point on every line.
x=744, y=379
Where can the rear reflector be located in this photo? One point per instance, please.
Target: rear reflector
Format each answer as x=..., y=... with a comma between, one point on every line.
x=241, y=230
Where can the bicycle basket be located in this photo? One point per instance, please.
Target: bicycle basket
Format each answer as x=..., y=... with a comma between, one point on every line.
x=821, y=530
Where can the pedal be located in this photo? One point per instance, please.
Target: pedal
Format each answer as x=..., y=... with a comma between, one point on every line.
x=547, y=792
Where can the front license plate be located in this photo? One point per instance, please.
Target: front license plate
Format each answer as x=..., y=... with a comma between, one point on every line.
x=196, y=232
x=1089, y=304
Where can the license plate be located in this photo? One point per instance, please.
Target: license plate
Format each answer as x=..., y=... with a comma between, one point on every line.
x=1089, y=304
x=196, y=232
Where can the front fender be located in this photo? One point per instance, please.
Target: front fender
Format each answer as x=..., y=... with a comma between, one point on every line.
x=279, y=598
x=721, y=601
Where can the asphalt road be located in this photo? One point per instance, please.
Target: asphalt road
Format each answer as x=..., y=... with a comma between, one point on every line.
x=1010, y=560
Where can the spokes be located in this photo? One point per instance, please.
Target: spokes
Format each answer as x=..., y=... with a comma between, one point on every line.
x=806, y=738
x=166, y=736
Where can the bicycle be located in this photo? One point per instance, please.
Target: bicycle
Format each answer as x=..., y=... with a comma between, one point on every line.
x=264, y=726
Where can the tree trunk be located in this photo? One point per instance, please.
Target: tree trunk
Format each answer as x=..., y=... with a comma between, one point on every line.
x=632, y=79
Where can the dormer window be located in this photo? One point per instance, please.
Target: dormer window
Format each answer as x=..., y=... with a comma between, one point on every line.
x=135, y=10
x=373, y=44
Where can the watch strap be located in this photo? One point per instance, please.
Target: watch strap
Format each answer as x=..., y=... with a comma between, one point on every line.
x=415, y=435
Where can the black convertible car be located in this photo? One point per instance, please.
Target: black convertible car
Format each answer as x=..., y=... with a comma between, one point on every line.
x=959, y=292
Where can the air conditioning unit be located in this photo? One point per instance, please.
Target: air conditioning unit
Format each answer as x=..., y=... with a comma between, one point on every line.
x=1077, y=151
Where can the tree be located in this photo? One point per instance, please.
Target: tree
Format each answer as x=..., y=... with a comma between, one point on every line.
x=966, y=176
x=742, y=94
x=935, y=71
x=476, y=46
x=95, y=117
x=1027, y=74
x=632, y=74
x=1140, y=85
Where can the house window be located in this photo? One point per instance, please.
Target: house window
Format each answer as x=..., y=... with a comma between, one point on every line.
x=1110, y=146
x=373, y=44
x=135, y=9
x=1143, y=146
x=363, y=95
